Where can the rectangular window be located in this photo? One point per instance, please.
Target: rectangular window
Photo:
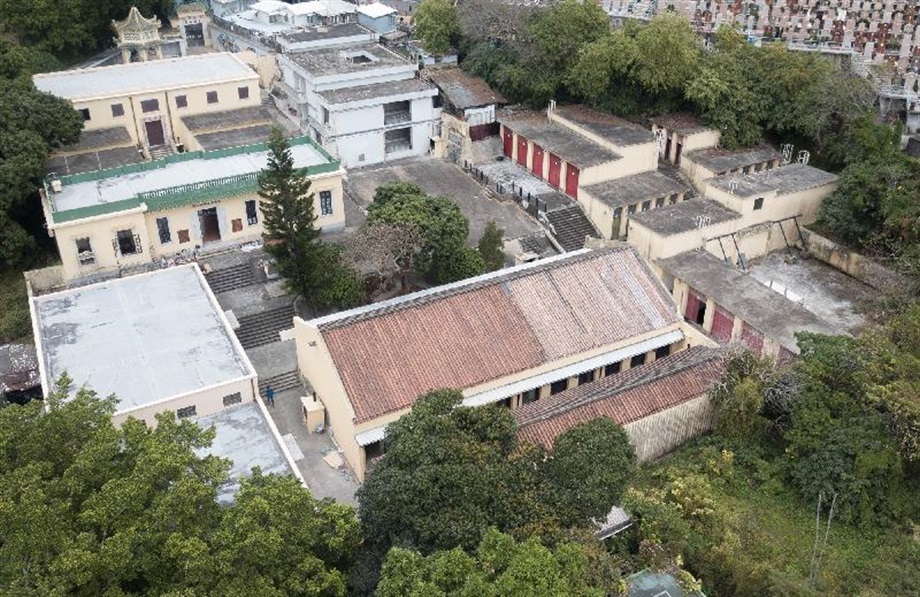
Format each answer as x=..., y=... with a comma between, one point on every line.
x=183, y=236
x=530, y=396
x=631, y=210
x=646, y=205
x=558, y=386
x=118, y=110
x=85, y=252
x=252, y=214
x=163, y=230
x=612, y=369
x=758, y=203
x=586, y=377
x=151, y=105
x=236, y=225
x=84, y=112
x=181, y=101
x=637, y=360
x=659, y=202
x=325, y=203
x=243, y=92
x=186, y=412
x=127, y=243
x=662, y=351
x=325, y=116
x=232, y=399
x=212, y=97
x=672, y=199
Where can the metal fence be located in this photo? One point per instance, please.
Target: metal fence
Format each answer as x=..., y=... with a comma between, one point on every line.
x=530, y=203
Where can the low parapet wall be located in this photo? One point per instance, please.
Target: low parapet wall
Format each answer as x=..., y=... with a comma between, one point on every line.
x=851, y=263
x=45, y=279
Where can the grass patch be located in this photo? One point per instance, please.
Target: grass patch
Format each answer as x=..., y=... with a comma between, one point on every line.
x=768, y=527
x=15, y=321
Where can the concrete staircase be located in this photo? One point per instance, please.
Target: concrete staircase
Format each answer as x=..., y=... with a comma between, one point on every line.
x=569, y=226
x=262, y=328
x=231, y=278
x=281, y=382
x=158, y=153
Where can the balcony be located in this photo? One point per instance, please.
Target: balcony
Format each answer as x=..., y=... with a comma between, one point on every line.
x=391, y=118
x=397, y=145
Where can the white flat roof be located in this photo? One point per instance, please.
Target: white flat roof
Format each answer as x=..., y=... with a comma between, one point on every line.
x=376, y=10
x=144, y=77
x=243, y=435
x=146, y=338
x=126, y=186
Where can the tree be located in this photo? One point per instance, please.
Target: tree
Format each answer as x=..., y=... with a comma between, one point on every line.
x=449, y=473
x=397, y=188
x=580, y=490
x=490, y=247
x=93, y=509
x=436, y=25
x=384, y=250
x=500, y=567
x=291, y=236
x=444, y=257
x=339, y=285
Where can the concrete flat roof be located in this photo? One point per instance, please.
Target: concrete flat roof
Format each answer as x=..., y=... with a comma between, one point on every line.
x=248, y=135
x=621, y=192
x=721, y=160
x=784, y=180
x=328, y=32
x=684, y=216
x=616, y=130
x=560, y=140
x=769, y=312
x=127, y=186
x=90, y=161
x=340, y=61
x=244, y=436
x=139, y=77
x=214, y=121
x=145, y=338
x=115, y=136
x=377, y=90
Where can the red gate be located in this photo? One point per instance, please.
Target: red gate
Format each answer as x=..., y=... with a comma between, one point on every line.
x=752, y=338
x=522, y=150
x=722, y=324
x=571, y=181
x=555, y=169
x=509, y=142
x=537, y=167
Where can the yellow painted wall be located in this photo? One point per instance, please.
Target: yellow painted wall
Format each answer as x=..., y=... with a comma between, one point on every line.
x=206, y=401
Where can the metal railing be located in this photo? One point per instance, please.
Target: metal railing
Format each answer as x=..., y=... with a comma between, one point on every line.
x=390, y=118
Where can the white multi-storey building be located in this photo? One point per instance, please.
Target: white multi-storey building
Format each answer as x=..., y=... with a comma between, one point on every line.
x=363, y=103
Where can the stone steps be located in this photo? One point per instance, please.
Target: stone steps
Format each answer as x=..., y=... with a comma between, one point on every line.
x=281, y=382
x=231, y=278
x=262, y=328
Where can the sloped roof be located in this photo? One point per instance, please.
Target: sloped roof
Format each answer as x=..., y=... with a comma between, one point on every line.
x=464, y=334
x=136, y=22
x=462, y=90
x=624, y=397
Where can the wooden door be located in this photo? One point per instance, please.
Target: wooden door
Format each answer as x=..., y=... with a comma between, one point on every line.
x=722, y=324
x=555, y=170
x=155, y=135
x=537, y=167
x=571, y=181
x=522, y=150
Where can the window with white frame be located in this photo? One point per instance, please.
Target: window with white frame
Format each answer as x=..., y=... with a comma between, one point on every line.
x=325, y=203
x=252, y=212
x=163, y=231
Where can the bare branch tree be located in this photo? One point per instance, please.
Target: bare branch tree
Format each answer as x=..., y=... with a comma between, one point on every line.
x=384, y=250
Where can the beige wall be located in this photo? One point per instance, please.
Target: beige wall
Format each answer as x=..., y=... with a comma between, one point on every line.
x=101, y=230
x=656, y=435
x=264, y=64
x=602, y=215
x=206, y=401
x=701, y=139
x=134, y=117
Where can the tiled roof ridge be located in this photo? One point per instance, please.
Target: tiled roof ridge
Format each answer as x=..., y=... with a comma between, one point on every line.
x=463, y=286
x=614, y=385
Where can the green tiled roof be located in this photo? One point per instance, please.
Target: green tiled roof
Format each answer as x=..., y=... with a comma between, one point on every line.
x=188, y=194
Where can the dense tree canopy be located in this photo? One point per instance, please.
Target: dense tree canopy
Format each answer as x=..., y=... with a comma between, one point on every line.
x=436, y=25
x=87, y=508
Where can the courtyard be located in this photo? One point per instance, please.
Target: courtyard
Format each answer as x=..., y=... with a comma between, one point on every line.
x=438, y=177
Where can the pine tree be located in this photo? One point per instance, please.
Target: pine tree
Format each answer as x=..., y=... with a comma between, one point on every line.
x=291, y=236
x=490, y=247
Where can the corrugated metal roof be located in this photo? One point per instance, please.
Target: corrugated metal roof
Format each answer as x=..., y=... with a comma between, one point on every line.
x=493, y=326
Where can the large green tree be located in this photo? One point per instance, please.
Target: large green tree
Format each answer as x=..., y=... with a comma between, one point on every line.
x=445, y=256
x=87, y=508
x=291, y=236
x=436, y=24
x=501, y=567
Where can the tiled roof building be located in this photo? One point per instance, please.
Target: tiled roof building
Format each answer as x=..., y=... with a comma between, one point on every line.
x=512, y=337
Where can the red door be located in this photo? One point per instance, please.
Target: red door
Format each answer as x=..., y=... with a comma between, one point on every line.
x=752, y=338
x=522, y=150
x=722, y=324
x=537, y=161
x=571, y=181
x=155, y=135
x=696, y=309
x=555, y=168
x=509, y=142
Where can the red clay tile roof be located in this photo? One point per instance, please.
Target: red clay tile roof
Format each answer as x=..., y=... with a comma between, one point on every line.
x=625, y=397
x=485, y=328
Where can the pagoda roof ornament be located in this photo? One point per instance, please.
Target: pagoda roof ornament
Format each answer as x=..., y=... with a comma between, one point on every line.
x=137, y=30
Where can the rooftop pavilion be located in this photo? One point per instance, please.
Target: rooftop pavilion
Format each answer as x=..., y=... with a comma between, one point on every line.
x=148, y=339
x=143, y=77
